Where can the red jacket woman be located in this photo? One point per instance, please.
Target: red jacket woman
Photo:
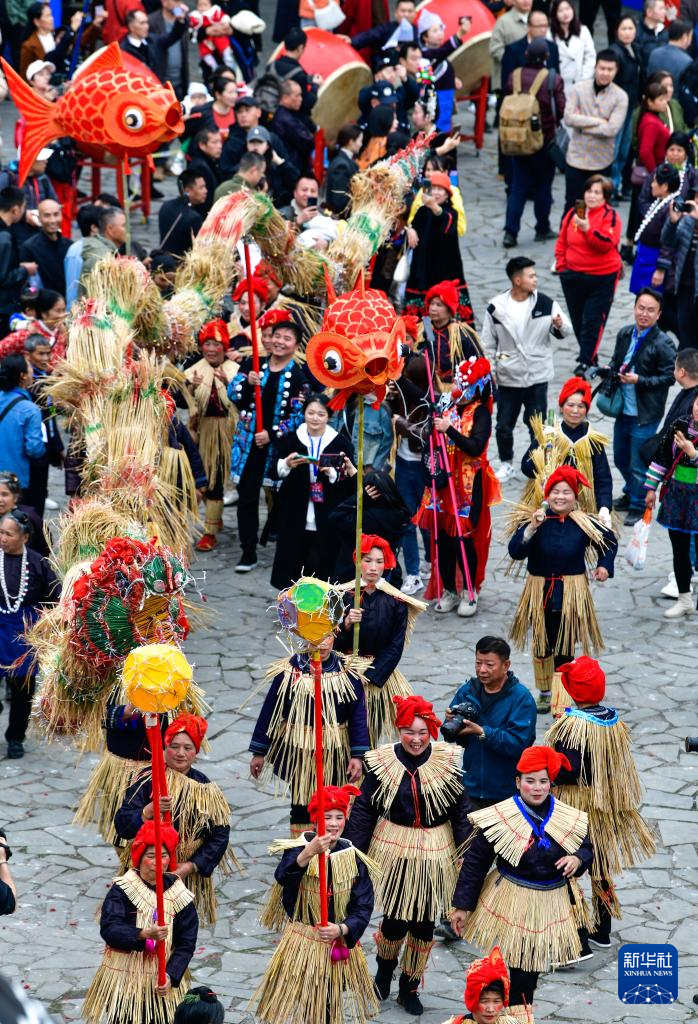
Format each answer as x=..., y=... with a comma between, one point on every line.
x=652, y=133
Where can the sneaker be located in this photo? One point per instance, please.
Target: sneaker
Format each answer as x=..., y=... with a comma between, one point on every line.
x=543, y=703
x=622, y=504
x=448, y=602
x=467, y=608
x=425, y=568
x=412, y=584
x=509, y=240
x=545, y=236
x=51, y=505
x=15, y=750
x=246, y=564
x=206, y=543
x=505, y=472
x=230, y=498
x=585, y=954
x=602, y=941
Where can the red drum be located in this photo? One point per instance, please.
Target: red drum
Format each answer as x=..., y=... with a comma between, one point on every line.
x=344, y=74
x=471, y=61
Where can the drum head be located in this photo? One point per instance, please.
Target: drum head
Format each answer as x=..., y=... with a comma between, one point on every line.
x=471, y=61
x=337, y=101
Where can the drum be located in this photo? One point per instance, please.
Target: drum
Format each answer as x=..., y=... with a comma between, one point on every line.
x=471, y=61
x=344, y=74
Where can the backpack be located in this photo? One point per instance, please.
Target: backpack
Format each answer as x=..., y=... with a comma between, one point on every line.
x=520, y=128
x=267, y=88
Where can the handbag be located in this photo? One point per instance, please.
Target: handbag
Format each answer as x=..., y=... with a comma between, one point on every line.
x=402, y=267
x=639, y=175
x=557, y=147
x=609, y=398
x=328, y=17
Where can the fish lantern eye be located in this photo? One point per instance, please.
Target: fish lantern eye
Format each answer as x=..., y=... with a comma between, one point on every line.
x=134, y=119
x=333, y=362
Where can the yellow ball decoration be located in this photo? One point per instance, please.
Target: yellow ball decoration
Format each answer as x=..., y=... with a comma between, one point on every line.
x=156, y=677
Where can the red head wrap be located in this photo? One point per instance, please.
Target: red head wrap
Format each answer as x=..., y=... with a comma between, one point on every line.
x=535, y=759
x=447, y=291
x=566, y=475
x=259, y=287
x=145, y=837
x=584, y=680
x=411, y=325
x=274, y=317
x=267, y=272
x=215, y=330
x=481, y=974
x=573, y=386
x=409, y=708
x=336, y=799
x=372, y=540
x=194, y=726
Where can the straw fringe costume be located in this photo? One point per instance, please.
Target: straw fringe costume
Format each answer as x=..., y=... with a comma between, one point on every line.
x=556, y=605
x=123, y=989
x=285, y=730
x=386, y=625
x=560, y=445
x=524, y=906
x=213, y=427
x=201, y=815
x=451, y=345
x=411, y=818
x=604, y=783
x=302, y=983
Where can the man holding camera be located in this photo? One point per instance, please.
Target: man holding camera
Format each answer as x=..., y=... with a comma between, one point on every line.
x=493, y=717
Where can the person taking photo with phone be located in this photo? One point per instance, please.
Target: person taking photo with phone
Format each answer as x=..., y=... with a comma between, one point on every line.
x=680, y=237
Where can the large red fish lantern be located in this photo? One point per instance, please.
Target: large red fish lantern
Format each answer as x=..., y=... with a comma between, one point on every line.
x=360, y=347
x=114, y=102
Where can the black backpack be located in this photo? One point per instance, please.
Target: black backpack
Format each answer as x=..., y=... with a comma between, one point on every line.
x=267, y=88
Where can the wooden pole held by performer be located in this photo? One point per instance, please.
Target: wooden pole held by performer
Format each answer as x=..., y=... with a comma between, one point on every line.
x=152, y=724
x=316, y=668
x=359, y=519
x=255, y=338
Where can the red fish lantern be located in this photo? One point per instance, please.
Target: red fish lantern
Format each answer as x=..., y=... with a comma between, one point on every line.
x=114, y=102
x=360, y=347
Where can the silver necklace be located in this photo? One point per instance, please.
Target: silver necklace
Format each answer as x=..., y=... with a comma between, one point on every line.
x=14, y=606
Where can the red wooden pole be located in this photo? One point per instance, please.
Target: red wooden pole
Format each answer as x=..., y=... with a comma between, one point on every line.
x=255, y=339
x=316, y=668
x=153, y=726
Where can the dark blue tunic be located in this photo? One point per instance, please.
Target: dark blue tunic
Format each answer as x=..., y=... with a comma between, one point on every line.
x=381, y=633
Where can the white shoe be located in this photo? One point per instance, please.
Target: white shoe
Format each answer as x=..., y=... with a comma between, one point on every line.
x=425, y=568
x=671, y=589
x=448, y=602
x=505, y=472
x=51, y=505
x=230, y=498
x=412, y=584
x=684, y=606
x=467, y=608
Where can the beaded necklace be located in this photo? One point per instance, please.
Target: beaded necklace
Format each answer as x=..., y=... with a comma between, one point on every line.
x=14, y=606
x=658, y=205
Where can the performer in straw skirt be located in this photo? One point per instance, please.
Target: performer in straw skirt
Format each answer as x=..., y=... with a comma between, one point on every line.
x=283, y=741
x=387, y=618
x=556, y=605
x=411, y=817
x=574, y=442
x=314, y=968
x=529, y=905
x=603, y=782
x=487, y=994
x=199, y=811
x=125, y=987
x=213, y=424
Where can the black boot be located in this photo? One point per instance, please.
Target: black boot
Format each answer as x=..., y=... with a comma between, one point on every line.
x=384, y=976
x=408, y=997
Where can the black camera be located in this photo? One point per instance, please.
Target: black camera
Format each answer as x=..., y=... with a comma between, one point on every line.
x=468, y=711
x=691, y=744
x=682, y=205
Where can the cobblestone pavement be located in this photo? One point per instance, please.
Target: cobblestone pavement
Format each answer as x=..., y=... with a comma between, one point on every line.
x=52, y=943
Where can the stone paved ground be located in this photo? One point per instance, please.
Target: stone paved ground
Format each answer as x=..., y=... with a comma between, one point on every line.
x=52, y=943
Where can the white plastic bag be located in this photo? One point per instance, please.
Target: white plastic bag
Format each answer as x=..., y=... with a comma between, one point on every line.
x=636, y=551
x=329, y=17
x=402, y=267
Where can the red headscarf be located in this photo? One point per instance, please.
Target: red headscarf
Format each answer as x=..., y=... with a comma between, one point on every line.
x=336, y=799
x=274, y=317
x=566, y=475
x=573, y=386
x=259, y=287
x=145, y=837
x=584, y=679
x=447, y=291
x=409, y=708
x=481, y=974
x=215, y=330
x=267, y=272
x=535, y=759
x=194, y=726
x=372, y=540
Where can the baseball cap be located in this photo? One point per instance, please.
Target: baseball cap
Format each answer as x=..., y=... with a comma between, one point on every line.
x=384, y=93
x=386, y=59
x=258, y=134
x=247, y=101
x=38, y=65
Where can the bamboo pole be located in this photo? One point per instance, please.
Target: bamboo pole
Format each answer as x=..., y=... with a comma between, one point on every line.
x=316, y=668
x=153, y=728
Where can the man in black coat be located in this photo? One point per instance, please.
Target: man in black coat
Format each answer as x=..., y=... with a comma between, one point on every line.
x=150, y=48
x=172, y=57
x=205, y=153
x=288, y=68
x=13, y=274
x=180, y=219
x=376, y=38
x=515, y=53
x=292, y=128
x=343, y=167
x=651, y=32
x=47, y=248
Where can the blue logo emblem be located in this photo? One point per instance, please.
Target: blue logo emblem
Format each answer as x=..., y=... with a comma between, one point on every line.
x=648, y=973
